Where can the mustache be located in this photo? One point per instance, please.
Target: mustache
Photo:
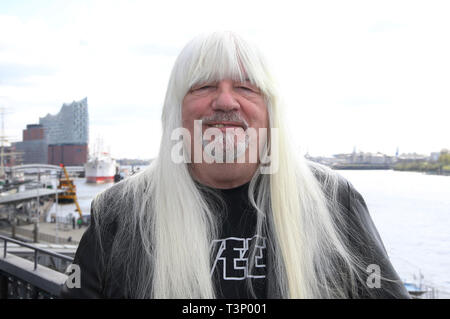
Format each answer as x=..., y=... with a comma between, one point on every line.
x=225, y=117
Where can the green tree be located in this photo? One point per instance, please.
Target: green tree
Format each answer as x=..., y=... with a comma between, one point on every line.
x=444, y=158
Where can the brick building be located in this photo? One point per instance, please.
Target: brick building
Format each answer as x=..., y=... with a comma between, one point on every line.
x=69, y=155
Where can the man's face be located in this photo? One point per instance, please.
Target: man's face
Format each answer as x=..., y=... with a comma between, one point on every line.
x=226, y=105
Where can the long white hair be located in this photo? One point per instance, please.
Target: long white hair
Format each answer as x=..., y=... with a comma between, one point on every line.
x=164, y=226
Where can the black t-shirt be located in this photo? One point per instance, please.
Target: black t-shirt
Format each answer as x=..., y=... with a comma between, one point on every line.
x=232, y=250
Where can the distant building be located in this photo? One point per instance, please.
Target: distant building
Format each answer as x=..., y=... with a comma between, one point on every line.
x=61, y=138
x=434, y=156
x=33, y=145
x=356, y=160
x=10, y=156
x=363, y=158
x=412, y=157
x=67, y=134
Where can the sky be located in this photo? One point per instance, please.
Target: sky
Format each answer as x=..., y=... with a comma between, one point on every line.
x=367, y=75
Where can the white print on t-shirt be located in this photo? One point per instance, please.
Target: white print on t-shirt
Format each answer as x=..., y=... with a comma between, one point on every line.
x=233, y=254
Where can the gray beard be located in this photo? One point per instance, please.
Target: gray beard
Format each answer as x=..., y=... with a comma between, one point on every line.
x=231, y=151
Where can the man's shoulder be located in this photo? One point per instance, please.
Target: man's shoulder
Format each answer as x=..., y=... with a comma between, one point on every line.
x=332, y=183
x=114, y=200
x=113, y=191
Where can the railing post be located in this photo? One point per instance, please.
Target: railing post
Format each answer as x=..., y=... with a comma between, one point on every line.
x=3, y=286
x=35, y=259
x=13, y=228
x=36, y=230
x=34, y=293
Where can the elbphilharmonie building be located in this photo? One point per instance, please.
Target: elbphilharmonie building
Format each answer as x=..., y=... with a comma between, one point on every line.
x=61, y=138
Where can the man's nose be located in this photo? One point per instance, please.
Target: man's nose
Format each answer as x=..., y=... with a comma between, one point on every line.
x=224, y=100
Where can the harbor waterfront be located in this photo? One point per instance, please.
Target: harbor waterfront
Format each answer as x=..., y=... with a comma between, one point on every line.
x=410, y=210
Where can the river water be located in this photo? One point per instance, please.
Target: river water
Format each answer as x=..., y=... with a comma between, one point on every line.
x=411, y=211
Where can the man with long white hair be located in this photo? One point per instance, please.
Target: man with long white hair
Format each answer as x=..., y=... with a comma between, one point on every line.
x=227, y=209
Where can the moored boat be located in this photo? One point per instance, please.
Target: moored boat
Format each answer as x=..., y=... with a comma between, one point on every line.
x=100, y=169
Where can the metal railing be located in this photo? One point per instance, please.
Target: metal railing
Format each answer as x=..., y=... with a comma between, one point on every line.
x=36, y=250
x=20, y=278
x=45, y=237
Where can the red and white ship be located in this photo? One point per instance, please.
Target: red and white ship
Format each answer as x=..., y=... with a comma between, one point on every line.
x=100, y=169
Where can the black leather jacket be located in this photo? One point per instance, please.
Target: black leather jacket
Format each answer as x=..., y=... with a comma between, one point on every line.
x=367, y=242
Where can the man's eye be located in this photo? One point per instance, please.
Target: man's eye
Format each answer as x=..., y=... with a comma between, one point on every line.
x=202, y=89
x=245, y=88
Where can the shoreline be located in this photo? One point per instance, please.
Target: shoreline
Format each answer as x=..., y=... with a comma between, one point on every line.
x=367, y=167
